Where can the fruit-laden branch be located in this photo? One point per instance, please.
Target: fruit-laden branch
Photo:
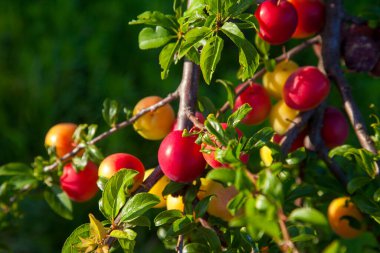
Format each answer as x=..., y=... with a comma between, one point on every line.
x=331, y=39
x=287, y=55
x=169, y=98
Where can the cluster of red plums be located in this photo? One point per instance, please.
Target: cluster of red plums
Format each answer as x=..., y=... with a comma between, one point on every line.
x=281, y=20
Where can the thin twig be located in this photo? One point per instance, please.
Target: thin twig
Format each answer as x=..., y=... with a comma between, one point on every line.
x=169, y=98
x=288, y=245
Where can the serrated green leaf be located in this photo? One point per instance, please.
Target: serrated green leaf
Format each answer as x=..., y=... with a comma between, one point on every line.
x=59, y=202
x=210, y=57
x=248, y=55
x=149, y=38
x=138, y=205
x=167, y=216
x=156, y=18
x=124, y=234
x=235, y=118
x=225, y=176
x=166, y=57
x=193, y=37
x=16, y=169
x=114, y=194
x=230, y=91
x=357, y=183
x=82, y=231
x=309, y=215
x=248, y=21
x=94, y=153
x=196, y=248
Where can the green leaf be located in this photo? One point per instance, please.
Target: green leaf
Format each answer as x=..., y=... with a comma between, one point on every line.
x=248, y=55
x=138, y=205
x=114, y=194
x=268, y=226
x=309, y=215
x=192, y=38
x=236, y=7
x=124, y=234
x=149, y=38
x=166, y=57
x=210, y=57
x=15, y=169
x=23, y=182
x=235, y=204
x=82, y=231
x=235, y=118
x=248, y=21
x=201, y=207
x=128, y=246
x=59, y=202
x=193, y=56
x=259, y=139
x=156, y=18
x=182, y=226
x=303, y=238
x=376, y=195
x=301, y=191
x=225, y=176
x=196, y=248
x=110, y=111
x=270, y=185
x=167, y=216
x=230, y=91
x=357, y=183
x=172, y=187
x=141, y=221
x=211, y=237
x=94, y=153
x=213, y=126
x=262, y=45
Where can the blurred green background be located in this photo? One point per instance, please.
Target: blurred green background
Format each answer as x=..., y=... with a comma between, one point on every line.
x=60, y=59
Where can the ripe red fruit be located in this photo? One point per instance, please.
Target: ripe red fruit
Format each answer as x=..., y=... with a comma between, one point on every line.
x=277, y=21
x=335, y=127
x=257, y=97
x=210, y=157
x=180, y=157
x=306, y=88
x=80, y=186
x=311, y=17
x=115, y=162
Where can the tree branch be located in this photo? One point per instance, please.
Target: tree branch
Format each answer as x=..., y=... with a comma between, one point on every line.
x=169, y=98
x=331, y=37
x=289, y=54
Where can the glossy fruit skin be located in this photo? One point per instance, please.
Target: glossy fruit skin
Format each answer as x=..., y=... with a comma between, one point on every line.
x=335, y=127
x=175, y=203
x=257, y=97
x=281, y=116
x=210, y=157
x=80, y=186
x=115, y=162
x=180, y=157
x=311, y=17
x=306, y=88
x=274, y=81
x=154, y=125
x=218, y=204
x=158, y=188
x=60, y=136
x=339, y=208
x=277, y=21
